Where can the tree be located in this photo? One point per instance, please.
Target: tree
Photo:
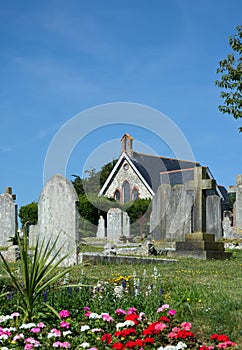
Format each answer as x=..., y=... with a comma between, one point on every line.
x=29, y=213
x=231, y=77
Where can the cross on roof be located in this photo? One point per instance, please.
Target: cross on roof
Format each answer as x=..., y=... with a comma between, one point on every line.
x=199, y=185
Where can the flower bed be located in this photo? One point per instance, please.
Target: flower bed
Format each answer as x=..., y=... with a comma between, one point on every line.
x=125, y=329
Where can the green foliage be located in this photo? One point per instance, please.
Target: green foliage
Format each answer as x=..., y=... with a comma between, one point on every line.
x=106, y=170
x=37, y=273
x=139, y=208
x=29, y=213
x=231, y=77
x=78, y=185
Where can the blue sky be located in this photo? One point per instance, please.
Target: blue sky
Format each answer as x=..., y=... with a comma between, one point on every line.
x=59, y=58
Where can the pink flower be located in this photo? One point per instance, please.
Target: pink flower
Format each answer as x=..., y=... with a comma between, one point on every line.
x=41, y=325
x=120, y=312
x=28, y=346
x=107, y=317
x=163, y=307
x=56, y=332
x=35, y=330
x=64, y=324
x=172, y=312
x=15, y=314
x=87, y=314
x=86, y=308
x=172, y=335
x=186, y=325
x=132, y=310
x=176, y=329
x=66, y=345
x=160, y=326
x=64, y=313
x=141, y=315
x=18, y=337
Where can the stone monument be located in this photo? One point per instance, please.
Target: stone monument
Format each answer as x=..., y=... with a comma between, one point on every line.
x=58, y=217
x=8, y=217
x=199, y=243
x=237, y=212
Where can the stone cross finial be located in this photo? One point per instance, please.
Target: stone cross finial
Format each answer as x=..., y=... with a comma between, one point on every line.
x=8, y=190
x=199, y=185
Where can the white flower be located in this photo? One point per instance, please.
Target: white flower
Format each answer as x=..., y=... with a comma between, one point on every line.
x=27, y=325
x=4, y=336
x=85, y=345
x=84, y=328
x=4, y=348
x=5, y=318
x=94, y=315
x=66, y=333
x=181, y=345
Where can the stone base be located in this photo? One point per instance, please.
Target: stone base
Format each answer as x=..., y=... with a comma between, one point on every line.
x=202, y=246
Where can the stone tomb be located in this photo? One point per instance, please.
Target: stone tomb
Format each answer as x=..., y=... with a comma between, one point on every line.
x=201, y=244
x=8, y=217
x=58, y=217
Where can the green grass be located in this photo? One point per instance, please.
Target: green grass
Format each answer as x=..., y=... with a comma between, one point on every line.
x=204, y=292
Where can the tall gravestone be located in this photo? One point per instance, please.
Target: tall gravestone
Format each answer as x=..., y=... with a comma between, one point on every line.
x=214, y=215
x=171, y=213
x=114, y=224
x=199, y=243
x=118, y=224
x=58, y=217
x=238, y=202
x=8, y=217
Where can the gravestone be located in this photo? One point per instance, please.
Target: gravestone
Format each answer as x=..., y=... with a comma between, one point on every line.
x=114, y=224
x=58, y=217
x=101, y=228
x=214, y=215
x=238, y=202
x=8, y=217
x=200, y=244
x=118, y=225
x=171, y=213
x=126, y=225
x=227, y=228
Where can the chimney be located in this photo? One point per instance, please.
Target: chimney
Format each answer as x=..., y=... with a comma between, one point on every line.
x=127, y=144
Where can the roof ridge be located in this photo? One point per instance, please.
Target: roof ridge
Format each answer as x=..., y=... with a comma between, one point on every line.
x=181, y=160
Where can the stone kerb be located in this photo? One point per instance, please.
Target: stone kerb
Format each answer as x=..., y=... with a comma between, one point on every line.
x=58, y=217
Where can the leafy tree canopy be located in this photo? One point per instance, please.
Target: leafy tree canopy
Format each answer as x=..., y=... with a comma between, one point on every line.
x=29, y=213
x=231, y=77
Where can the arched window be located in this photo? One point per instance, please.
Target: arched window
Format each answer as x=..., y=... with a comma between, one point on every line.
x=135, y=194
x=117, y=195
x=126, y=191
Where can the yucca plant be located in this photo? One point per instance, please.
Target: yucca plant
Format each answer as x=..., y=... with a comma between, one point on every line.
x=37, y=273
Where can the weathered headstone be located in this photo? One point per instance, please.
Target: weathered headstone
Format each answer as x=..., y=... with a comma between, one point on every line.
x=118, y=225
x=238, y=202
x=171, y=213
x=214, y=215
x=126, y=225
x=8, y=217
x=227, y=228
x=101, y=228
x=114, y=224
x=58, y=217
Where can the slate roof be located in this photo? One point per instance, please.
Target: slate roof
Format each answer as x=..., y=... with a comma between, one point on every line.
x=151, y=167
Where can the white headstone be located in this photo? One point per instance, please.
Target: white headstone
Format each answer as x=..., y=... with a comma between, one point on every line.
x=58, y=217
x=101, y=228
x=114, y=224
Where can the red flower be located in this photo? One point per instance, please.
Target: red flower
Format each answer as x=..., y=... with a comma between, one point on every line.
x=164, y=319
x=139, y=342
x=118, y=346
x=183, y=334
x=149, y=340
x=132, y=317
x=130, y=344
x=219, y=337
x=106, y=338
x=125, y=332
